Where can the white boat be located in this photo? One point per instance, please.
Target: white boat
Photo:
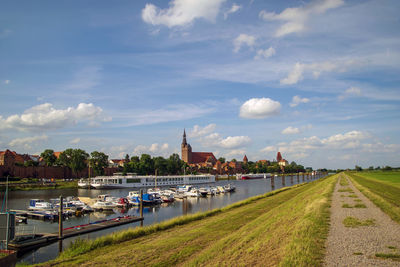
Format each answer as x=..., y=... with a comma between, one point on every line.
x=220, y=189
x=83, y=183
x=194, y=192
x=229, y=188
x=104, y=205
x=203, y=191
x=183, y=188
x=134, y=181
x=40, y=204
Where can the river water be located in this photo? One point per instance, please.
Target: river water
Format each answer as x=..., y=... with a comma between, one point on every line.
x=20, y=200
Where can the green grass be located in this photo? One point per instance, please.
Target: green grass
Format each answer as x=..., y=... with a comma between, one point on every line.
x=382, y=193
x=354, y=222
x=360, y=205
x=343, y=181
x=353, y=196
x=393, y=256
x=392, y=247
x=346, y=190
x=391, y=177
x=358, y=253
x=357, y=200
x=355, y=206
x=285, y=228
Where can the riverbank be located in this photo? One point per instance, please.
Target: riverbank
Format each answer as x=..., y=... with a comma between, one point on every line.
x=286, y=226
x=38, y=185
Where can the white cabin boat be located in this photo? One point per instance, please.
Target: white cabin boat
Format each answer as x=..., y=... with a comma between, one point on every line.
x=133, y=181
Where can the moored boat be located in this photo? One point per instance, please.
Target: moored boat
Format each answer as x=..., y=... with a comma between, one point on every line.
x=40, y=204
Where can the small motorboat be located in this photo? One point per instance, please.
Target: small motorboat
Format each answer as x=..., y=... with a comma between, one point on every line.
x=229, y=188
x=40, y=204
x=104, y=205
x=194, y=192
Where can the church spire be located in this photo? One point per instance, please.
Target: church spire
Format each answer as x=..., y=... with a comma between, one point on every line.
x=184, y=137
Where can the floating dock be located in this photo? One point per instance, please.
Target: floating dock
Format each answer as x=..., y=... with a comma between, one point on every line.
x=99, y=225
x=26, y=242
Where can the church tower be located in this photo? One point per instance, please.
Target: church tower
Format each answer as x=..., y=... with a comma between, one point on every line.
x=186, y=150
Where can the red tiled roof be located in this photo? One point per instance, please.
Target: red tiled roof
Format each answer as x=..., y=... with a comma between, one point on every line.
x=199, y=157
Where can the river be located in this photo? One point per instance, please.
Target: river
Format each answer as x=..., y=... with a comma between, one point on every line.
x=20, y=200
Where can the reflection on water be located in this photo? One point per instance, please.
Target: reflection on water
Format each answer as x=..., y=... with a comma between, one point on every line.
x=154, y=214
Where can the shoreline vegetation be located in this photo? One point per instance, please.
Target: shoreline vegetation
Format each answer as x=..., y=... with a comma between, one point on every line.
x=286, y=227
x=35, y=184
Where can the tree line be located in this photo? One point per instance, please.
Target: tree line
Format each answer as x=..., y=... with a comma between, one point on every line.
x=78, y=159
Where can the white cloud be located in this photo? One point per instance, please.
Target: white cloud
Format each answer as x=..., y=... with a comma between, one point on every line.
x=295, y=18
x=316, y=69
x=296, y=100
x=243, y=39
x=75, y=141
x=201, y=131
x=290, y=130
x=7, y=81
x=259, y=108
x=153, y=149
x=238, y=153
x=230, y=142
x=45, y=117
x=265, y=53
x=235, y=141
x=350, y=92
x=27, y=142
x=181, y=12
x=268, y=149
x=233, y=9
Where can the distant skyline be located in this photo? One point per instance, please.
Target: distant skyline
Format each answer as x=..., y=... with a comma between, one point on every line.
x=316, y=80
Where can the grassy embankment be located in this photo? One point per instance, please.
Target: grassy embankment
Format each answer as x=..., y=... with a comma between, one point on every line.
x=287, y=227
x=34, y=184
x=382, y=188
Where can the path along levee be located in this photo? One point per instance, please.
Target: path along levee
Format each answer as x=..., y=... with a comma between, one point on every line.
x=347, y=246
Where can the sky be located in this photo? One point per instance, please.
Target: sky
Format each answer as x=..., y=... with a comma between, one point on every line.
x=316, y=80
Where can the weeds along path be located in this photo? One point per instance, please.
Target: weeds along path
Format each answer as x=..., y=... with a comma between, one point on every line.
x=360, y=233
x=288, y=228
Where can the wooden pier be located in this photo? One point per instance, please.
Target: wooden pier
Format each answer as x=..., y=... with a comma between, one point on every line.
x=96, y=226
x=31, y=241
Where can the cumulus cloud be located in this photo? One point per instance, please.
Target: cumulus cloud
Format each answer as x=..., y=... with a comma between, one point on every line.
x=266, y=53
x=233, y=9
x=45, y=117
x=295, y=18
x=291, y=130
x=268, y=149
x=75, y=141
x=181, y=12
x=299, y=69
x=201, y=131
x=350, y=92
x=27, y=142
x=230, y=142
x=259, y=108
x=153, y=149
x=296, y=100
x=243, y=39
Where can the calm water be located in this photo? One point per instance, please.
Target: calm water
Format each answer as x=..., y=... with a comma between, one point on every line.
x=20, y=200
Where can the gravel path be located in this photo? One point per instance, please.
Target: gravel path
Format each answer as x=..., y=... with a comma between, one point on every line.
x=357, y=246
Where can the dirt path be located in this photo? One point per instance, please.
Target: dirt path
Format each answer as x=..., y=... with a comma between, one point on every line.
x=357, y=246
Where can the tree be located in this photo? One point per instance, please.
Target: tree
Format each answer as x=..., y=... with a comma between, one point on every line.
x=49, y=157
x=160, y=165
x=146, y=164
x=358, y=168
x=174, y=164
x=98, y=161
x=221, y=159
x=75, y=159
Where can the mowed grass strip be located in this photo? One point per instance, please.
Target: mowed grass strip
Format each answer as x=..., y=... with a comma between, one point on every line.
x=384, y=195
x=288, y=228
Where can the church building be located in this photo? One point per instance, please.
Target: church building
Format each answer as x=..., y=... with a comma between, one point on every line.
x=196, y=158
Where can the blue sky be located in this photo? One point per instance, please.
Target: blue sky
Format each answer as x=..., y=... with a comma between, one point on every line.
x=317, y=80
